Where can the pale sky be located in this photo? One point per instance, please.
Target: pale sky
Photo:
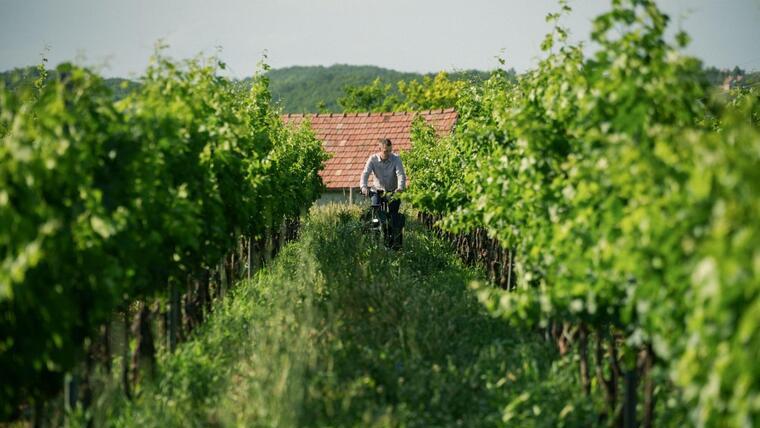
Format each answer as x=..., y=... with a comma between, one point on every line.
x=117, y=37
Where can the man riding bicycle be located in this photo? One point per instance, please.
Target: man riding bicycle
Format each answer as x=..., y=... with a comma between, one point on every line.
x=389, y=177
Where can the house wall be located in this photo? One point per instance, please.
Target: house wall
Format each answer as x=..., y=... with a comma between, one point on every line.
x=341, y=196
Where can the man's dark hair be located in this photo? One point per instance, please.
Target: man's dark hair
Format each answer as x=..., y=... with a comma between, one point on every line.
x=385, y=142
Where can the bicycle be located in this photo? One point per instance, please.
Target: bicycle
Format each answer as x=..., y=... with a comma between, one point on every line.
x=381, y=223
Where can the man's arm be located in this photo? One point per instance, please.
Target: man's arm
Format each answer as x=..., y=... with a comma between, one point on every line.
x=365, y=174
x=400, y=175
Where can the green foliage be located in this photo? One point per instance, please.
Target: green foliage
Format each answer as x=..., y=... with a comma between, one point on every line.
x=719, y=365
x=443, y=165
x=626, y=195
x=63, y=209
x=103, y=203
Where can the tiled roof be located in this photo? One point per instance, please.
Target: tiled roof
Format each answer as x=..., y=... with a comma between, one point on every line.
x=352, y=137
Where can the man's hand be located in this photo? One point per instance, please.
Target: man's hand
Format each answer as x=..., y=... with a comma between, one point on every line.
x=364, y=191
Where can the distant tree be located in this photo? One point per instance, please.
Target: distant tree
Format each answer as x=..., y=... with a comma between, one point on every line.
x=375, y=97
x=432, y=93
x=717, y=76
x=429, y=92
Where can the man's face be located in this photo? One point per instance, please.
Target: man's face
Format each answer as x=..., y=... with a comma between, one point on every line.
x=385, y=151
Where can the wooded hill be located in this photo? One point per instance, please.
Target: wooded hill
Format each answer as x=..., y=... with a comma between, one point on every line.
x=298, y=89
x=305, y=88
x=311, y=89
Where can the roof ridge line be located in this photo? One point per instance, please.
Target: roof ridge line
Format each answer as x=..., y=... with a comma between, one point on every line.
x=372, y=114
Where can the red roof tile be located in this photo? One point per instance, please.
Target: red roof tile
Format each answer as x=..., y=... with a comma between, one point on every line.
x=351, y=138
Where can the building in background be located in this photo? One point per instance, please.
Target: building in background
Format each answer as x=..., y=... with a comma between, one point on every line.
x=352, y=137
